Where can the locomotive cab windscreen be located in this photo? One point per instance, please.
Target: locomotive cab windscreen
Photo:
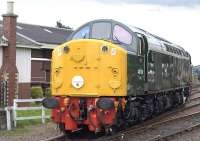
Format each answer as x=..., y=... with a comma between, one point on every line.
x=107, y=30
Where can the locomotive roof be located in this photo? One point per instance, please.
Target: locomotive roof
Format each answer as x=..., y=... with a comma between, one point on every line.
x=149, y=35
x=159, y=43
x=155, y=42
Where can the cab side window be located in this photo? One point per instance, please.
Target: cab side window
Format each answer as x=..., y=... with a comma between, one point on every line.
x=122, y=35
x=83, y=33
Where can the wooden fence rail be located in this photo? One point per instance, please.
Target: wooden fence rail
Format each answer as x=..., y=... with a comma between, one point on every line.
x=16, y=108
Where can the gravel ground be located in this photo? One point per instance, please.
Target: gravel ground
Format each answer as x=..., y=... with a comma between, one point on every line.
x=188, y=136
x=187, y=111
x=165, y=129
x=30, y=133
x=195, y=90
x=195, y=95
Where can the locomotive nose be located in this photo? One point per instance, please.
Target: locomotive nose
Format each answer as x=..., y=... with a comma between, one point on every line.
x=89, y=67
x=78, y=57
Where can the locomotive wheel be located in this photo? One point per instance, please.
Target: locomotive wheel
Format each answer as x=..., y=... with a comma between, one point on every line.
x=168, y=102
x=186, y=92
x=159, y=105
x=131, y=113
x=110, y=130
x=119, y=121
x=149, y=107
x=145, y=112
x=181, y=99
x=178, y=99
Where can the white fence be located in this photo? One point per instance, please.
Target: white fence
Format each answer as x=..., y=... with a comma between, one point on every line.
x=16, y=108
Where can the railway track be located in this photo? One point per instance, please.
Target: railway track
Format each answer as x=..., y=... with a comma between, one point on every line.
x=124, y=135
x=161, y=120
x=164, y=119
x=182, y=131
x=56, y=138
x=195, y=95
x=194, y=86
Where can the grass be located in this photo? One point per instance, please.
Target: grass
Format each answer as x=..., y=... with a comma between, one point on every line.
x=15, y=132
x=23, y=126
x=24, y=123
x=28, y=113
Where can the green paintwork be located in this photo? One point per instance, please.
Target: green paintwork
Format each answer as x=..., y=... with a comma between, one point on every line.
x=135, y=75
x=163, y=72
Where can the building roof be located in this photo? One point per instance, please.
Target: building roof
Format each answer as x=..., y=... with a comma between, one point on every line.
x=22, y=40
x=36, y=35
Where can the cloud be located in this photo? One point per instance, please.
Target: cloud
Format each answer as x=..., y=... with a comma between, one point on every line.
x=186, y=3
x=178, y=22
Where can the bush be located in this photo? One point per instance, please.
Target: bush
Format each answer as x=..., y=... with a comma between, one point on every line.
x=36, y=92
x=48, y=92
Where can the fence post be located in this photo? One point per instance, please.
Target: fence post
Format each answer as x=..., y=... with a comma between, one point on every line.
x=8, y=118
x=43, y=115
x=14, y=113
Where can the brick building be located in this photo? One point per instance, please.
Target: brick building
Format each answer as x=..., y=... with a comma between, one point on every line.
x=34, y=44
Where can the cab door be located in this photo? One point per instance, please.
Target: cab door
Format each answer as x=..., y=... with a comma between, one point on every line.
x=142, y=62
x=137, y=76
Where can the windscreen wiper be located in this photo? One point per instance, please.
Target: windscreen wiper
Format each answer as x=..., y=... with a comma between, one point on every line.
x=116, y=40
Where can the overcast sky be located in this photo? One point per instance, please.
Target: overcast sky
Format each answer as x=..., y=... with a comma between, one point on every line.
x=176, y=20
x=157, y=2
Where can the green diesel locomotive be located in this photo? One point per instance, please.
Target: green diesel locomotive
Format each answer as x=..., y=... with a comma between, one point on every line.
x=108, y=75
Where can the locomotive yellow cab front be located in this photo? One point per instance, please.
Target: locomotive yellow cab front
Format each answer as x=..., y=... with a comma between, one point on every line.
x=89, y=68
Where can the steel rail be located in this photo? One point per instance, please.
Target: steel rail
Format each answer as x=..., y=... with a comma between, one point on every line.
x=195, y=92
x=194, y=86
x=152, y=124
x=60, y=137
x=179, y=132
x=194, y=95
